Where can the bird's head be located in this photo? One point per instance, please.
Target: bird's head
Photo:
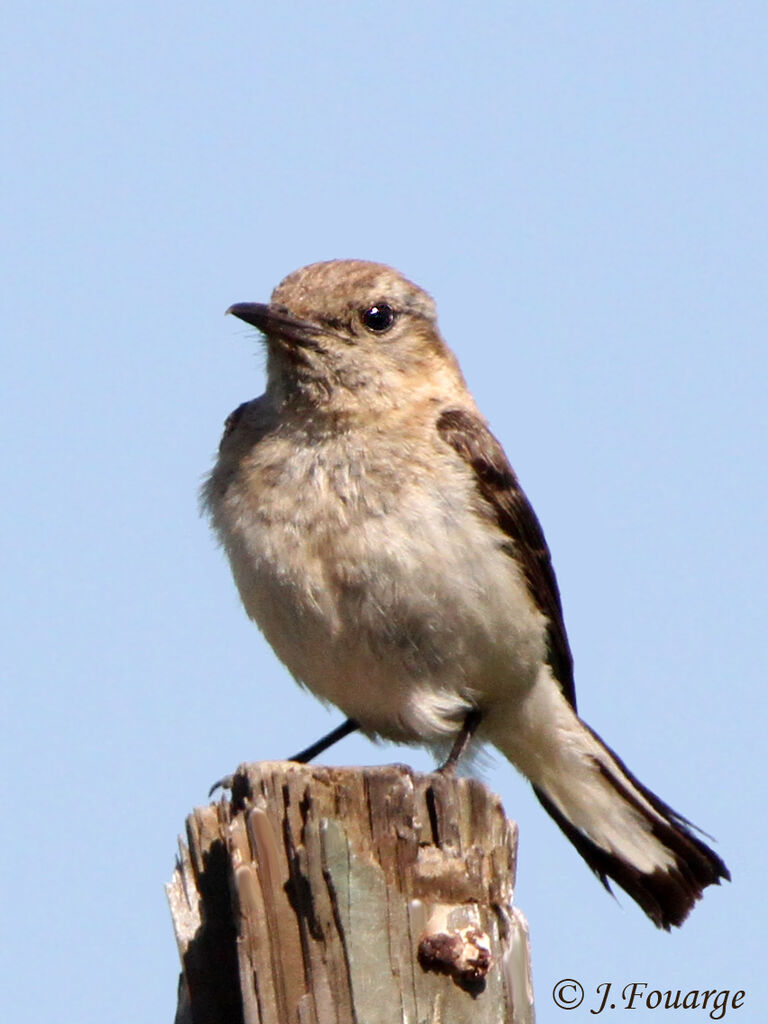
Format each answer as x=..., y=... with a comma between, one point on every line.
x=346, y=332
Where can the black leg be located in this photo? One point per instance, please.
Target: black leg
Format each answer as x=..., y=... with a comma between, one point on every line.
x=311, y=752
x=305, y=755
x=225, y=783
x=468, y=730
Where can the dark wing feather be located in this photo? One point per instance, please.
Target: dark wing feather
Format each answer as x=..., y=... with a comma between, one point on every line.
x=506, y=502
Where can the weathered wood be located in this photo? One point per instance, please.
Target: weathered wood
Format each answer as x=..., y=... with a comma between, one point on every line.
x=350, y=896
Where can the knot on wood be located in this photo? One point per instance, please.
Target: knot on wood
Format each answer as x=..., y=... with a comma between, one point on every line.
x=464, y=953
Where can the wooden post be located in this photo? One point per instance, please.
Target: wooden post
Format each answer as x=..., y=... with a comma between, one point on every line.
x=350, y=896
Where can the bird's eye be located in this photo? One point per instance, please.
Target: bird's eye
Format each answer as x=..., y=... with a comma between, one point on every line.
x=378, y=318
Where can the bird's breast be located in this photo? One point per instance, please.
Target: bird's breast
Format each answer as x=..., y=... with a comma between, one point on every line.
x=371, y=574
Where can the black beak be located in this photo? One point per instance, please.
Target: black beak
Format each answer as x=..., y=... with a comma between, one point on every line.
x=277, y=322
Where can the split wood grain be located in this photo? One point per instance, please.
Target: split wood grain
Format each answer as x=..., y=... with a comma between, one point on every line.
x=320, y=895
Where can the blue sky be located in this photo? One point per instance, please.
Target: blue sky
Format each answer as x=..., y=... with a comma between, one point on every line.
x=581, y=187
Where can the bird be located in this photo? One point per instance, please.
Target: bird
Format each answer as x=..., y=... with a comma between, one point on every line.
x=381, y=541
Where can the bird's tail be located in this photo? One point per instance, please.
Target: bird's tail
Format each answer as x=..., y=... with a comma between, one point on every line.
x=623, y=831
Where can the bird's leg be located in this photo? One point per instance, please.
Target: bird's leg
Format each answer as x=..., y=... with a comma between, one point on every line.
x=311, y=752
x=460, y=744
x=305, y=755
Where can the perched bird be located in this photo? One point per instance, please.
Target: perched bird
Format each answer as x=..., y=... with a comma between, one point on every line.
x=380, y=540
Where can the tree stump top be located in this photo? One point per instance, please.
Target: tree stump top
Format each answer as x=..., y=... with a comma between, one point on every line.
x=322, y=895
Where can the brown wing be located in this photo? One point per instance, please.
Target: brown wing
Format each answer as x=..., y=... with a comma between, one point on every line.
x=231, y=422
x=507, y=504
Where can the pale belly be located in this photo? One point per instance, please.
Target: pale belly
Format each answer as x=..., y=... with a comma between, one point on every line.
x=402, y=617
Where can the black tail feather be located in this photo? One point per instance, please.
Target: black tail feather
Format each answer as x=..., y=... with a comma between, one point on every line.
x=667, y=894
